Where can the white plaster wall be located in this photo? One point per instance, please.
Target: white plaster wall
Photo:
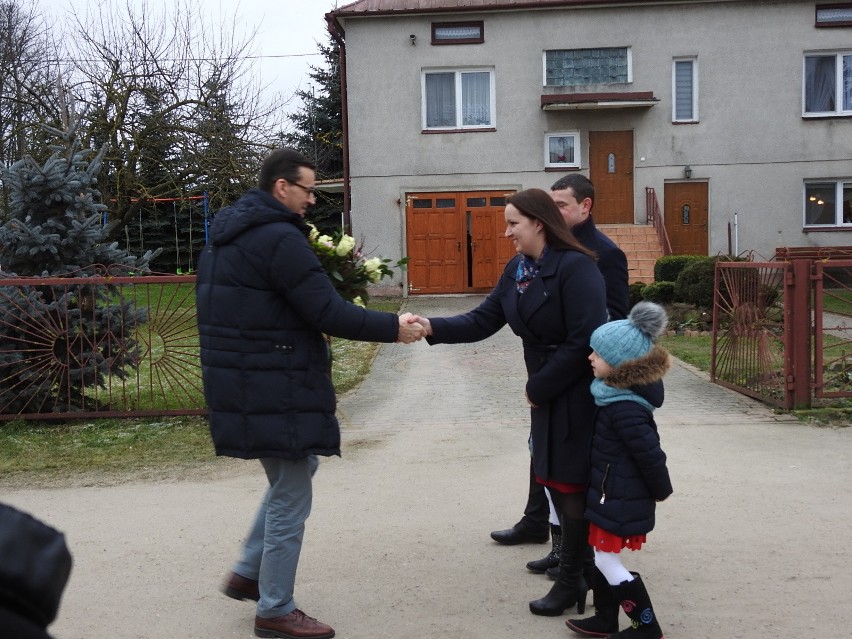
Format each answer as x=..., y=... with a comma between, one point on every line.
x=751, y=143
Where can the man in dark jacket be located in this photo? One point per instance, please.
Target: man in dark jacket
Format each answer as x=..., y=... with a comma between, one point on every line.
x=574, y=194
x=264, y=304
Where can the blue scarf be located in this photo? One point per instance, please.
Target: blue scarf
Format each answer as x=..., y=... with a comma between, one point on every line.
x=605, y=394
x=528, y=268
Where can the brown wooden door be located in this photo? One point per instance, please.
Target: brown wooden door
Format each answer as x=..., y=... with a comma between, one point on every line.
x=435, y=243
x=611, y=171
x=685, y=212
x=455, y=241
x=489, y=248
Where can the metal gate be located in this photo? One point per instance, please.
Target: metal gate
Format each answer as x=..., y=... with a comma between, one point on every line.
x=99, y=347
x=781, y=330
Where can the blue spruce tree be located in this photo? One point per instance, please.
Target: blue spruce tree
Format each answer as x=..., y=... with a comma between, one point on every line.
x=59, y=343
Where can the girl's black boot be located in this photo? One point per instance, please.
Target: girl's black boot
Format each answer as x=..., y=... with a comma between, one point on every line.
x=570, y=588
x=637, y=604
x=541, y=565
x=605, y=620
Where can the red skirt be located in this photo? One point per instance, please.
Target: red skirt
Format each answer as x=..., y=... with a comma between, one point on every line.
x=561, y=486
x=607, y=542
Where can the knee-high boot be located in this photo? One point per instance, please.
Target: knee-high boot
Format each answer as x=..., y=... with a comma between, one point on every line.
x=570, y=587
x=637, y=604
x=605, y=620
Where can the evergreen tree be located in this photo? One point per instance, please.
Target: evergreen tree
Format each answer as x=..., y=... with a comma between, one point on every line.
x=318, y=133
x=58, y=341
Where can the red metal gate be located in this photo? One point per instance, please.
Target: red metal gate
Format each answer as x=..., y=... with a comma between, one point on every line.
x=99, y=347
x=781, y=330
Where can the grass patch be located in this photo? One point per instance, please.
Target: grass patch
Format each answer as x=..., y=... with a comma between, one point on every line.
x=837, y=301
x=35, y=453
x=692, y=350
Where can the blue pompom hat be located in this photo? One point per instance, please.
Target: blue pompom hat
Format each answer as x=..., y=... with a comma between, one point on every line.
x=632, y=338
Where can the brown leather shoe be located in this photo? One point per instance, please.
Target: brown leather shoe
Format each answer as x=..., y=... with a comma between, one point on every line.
x=296, y=625
x=240, y=588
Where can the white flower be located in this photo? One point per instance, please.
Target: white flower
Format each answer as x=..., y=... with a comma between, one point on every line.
x=325, y=240
x=371, y=267
x=358, y=302
x=314, y=234
x=345, y=246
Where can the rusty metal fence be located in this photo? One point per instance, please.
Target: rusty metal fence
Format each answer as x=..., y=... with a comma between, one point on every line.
x=781, y=330
x=101, y=346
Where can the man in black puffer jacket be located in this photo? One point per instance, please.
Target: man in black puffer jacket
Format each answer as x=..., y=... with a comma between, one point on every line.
x=264, y=303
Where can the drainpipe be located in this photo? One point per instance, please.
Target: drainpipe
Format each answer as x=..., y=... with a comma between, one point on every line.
x=336, y=31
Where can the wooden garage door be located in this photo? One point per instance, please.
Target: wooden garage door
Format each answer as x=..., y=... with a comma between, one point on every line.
x=455, y=241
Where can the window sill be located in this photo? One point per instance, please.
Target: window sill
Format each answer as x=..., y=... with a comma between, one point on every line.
x=827, y=229
x=483, y=130
x=827, y=116
x=685, y=121
x=561, y=169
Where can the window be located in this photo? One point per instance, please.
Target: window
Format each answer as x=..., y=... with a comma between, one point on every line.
x=458, y=99
x=828, y=203
x=828, y=84
x=458, y=32
x=562, y=150
x=834, y=15
x=685, y=90
x=571, y=67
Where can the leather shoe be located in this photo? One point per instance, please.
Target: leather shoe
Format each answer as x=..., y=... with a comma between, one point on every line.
x=240, y=588
x=295, y=625
x=518, y=534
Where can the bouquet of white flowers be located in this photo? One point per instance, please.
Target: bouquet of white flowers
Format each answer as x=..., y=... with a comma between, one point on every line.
x=349, y=269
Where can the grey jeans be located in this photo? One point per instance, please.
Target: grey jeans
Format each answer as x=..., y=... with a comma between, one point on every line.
x=271, y=552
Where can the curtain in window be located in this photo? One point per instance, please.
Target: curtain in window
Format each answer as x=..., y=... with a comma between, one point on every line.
x=476, y=99
x=847, y=83
x=819, y=84
x=683, y=90
x=440, y=100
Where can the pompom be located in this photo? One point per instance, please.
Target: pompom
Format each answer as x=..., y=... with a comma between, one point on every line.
x=649, y=318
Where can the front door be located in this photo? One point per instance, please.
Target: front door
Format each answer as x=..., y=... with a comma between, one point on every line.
x=685, y=213
x=455, y=241
x=611, y=171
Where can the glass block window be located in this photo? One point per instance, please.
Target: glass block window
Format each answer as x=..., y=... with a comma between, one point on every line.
x=572, y=67
x=458, y=32
x=834, y=15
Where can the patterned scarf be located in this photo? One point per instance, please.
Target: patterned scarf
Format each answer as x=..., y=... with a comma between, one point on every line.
x=527, y=270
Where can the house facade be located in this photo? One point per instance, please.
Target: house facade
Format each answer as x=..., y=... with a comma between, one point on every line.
x=734, y=117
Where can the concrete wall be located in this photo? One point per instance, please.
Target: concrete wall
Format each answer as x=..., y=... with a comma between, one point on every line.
x=751, y=142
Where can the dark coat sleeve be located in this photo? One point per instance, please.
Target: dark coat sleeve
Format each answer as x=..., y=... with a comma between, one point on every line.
x=612, y=264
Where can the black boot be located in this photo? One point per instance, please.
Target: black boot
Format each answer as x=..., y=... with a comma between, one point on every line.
x=570, y=587
x=541, y=565
x=637, y=604
x=605, y=620
x=588, y=568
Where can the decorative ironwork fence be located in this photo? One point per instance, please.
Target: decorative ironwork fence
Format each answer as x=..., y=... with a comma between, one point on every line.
x=781, y=330
x=99, y=346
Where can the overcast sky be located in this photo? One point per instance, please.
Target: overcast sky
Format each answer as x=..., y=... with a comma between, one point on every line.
x=287, y=33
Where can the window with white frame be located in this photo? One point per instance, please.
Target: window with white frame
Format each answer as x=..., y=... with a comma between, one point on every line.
x=562, y=150
x=572, y=67
x=828, y=84
x=828, y=203
x=685, y=90
x=458, y=99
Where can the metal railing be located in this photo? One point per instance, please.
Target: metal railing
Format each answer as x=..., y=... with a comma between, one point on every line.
x=99, y=346
x=653, y=215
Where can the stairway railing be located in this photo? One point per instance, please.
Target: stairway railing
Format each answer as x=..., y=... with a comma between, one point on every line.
x=654, y=216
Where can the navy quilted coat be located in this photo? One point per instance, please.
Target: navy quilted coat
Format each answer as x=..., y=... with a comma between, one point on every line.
x=629, y=473
x=555, y=318
x=264, y=303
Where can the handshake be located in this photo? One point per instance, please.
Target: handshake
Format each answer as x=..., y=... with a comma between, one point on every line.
x=413, y=328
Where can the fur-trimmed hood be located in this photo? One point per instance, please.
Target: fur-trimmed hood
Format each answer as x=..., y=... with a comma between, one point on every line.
x=640, y=372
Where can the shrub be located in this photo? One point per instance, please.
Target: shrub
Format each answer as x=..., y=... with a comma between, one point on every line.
x=659, y=292
x=668, y=267
x=635, y=293
x=694, y=285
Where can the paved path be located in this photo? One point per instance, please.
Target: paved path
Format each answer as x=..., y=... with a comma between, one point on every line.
x=752, y=544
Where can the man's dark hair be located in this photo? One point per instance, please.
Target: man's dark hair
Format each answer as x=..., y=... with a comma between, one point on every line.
x=282, y=163
x=577, y=182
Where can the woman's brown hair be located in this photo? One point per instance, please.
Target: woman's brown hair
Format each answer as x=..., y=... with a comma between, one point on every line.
x=537, y=204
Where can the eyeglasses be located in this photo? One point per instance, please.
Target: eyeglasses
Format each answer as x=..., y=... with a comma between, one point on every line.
x=307, y=189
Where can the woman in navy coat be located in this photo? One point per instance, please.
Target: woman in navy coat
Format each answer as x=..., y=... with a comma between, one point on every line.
x=553, y=297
